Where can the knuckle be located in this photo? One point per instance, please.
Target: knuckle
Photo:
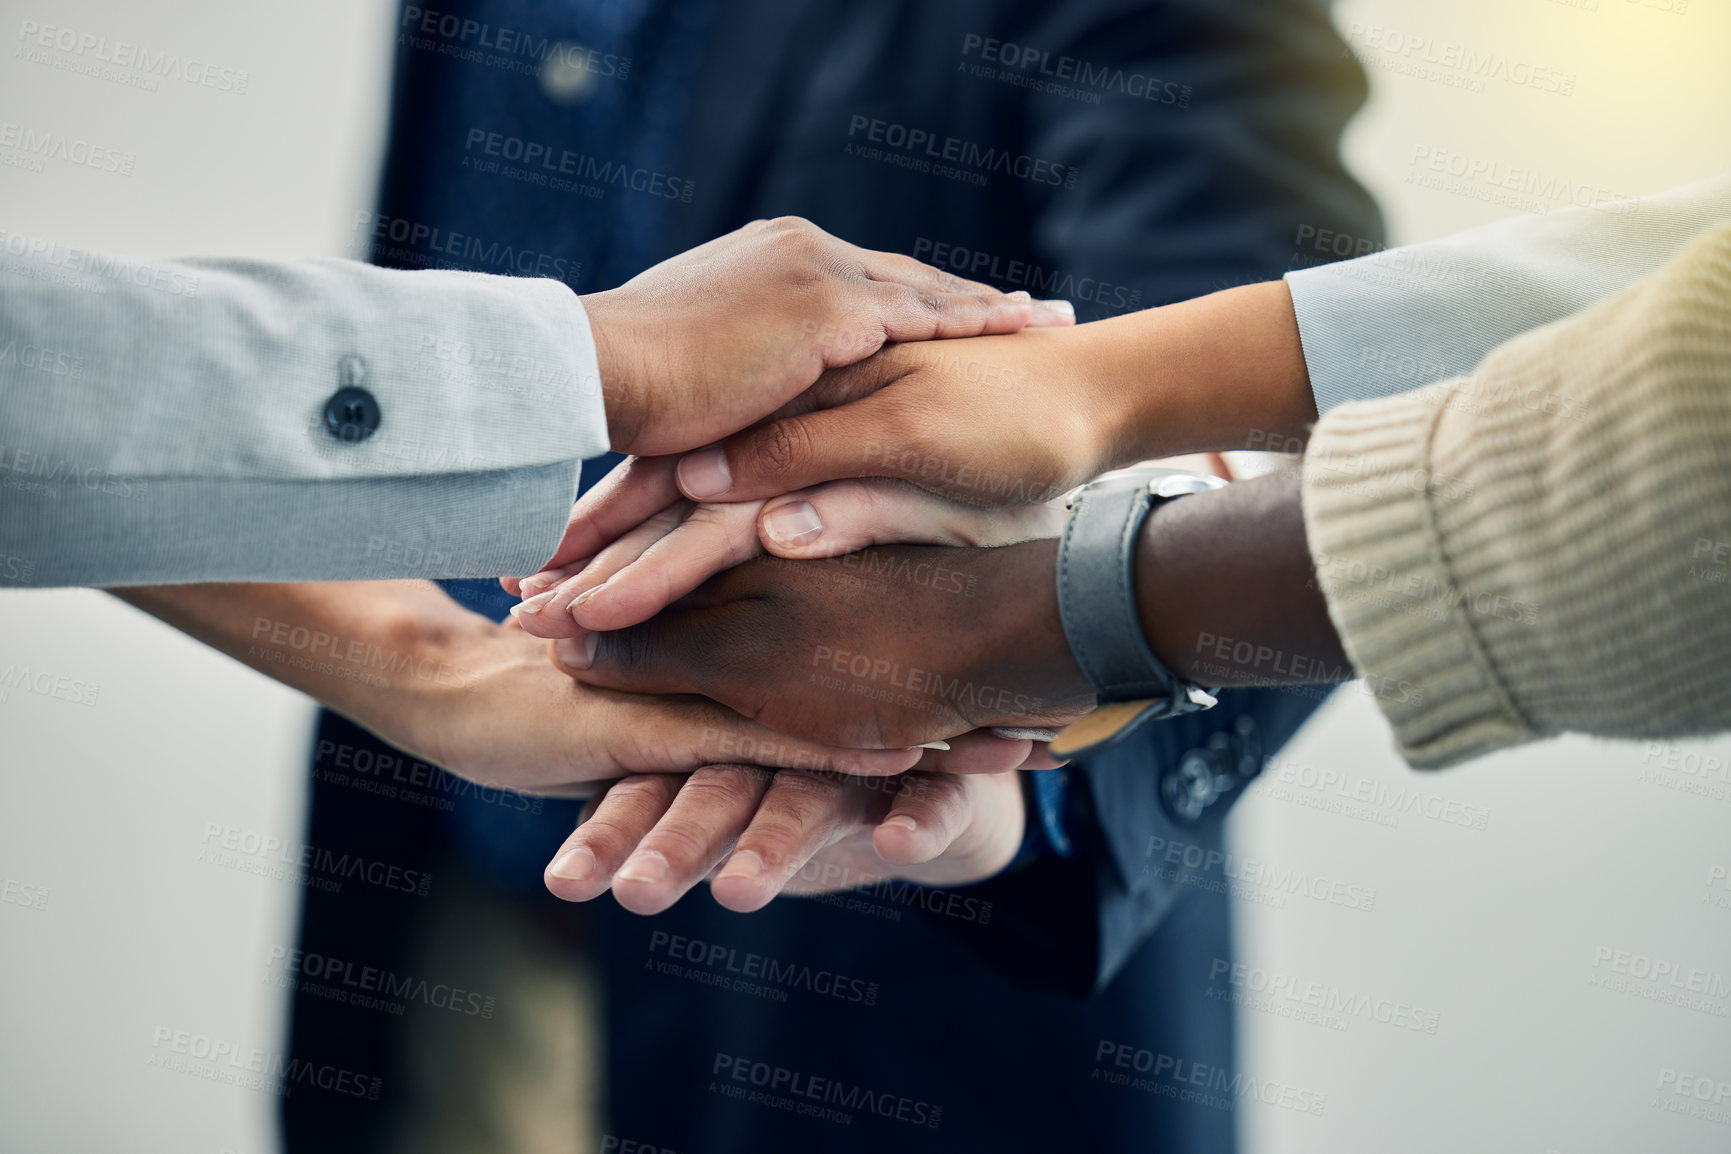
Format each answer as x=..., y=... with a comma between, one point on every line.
x=779, y=843
x=681, y=840
x=732, y=786
x=931, y=303
x=783, y=448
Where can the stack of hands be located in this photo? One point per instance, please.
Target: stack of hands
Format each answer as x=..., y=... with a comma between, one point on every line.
x=839, y=521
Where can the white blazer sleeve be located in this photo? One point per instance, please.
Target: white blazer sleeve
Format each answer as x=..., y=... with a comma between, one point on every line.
x=1405, y=317
x=170, y=421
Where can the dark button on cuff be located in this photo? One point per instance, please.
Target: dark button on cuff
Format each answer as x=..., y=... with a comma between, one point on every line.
x=352, y=414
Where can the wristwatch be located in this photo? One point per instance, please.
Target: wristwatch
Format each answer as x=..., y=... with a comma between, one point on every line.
x=1097, y=602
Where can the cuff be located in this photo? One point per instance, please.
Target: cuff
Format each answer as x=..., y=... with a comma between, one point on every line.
x=1369, y=497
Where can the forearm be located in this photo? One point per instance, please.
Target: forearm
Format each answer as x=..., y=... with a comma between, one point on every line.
x=374, y=651
x=1224, y=371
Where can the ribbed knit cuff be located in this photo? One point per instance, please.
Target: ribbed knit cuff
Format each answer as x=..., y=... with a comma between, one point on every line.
x=1369, y=498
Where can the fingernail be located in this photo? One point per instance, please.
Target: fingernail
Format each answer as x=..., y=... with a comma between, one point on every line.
x=905, y=822
x=794, y=523
x=704, y=474
x=574, y=865
x=933, y=745
x=529, y=586
x=744, y=864
x=1019, y=295
x=589, y=595
x=1053, y=313
x=577, y=652
x=647, y=866
x=533, y=605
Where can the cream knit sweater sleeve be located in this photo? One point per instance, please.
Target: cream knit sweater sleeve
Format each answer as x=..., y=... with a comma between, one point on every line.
x=1544, y=546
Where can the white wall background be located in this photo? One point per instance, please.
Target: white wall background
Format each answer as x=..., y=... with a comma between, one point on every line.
x=104, y=807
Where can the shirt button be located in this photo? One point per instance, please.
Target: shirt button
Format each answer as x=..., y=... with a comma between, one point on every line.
x=352, y=414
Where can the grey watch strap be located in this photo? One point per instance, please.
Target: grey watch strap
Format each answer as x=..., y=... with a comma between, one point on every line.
x=1097, y=604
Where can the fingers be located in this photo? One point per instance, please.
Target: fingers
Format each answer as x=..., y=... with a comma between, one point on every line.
x=929, y=812
x=978, y=751
x=934, y=303
x=547, y=614
x=800, y=814
x=647, y=734
x=584, y=866
x=796, y=452
x=845, y=516
x=709, y=540
x=691, y=838
x=619, y=502
x=1040, y=757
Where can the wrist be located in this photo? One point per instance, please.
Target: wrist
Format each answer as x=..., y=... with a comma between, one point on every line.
x=1023, y=665
x=618, y=361
x=430, y=669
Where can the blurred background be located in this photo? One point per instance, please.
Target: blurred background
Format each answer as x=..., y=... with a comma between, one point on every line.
x=1499, y=897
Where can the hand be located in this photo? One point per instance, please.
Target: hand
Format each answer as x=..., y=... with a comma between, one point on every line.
x=1006, y=420
x=510, y=718
x=707, y=342
x=882, y=648
x=685, y=544
x=651, y=838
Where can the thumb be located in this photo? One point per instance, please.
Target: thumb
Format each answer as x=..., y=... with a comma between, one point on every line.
x=844, y=516
x=794, y=453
